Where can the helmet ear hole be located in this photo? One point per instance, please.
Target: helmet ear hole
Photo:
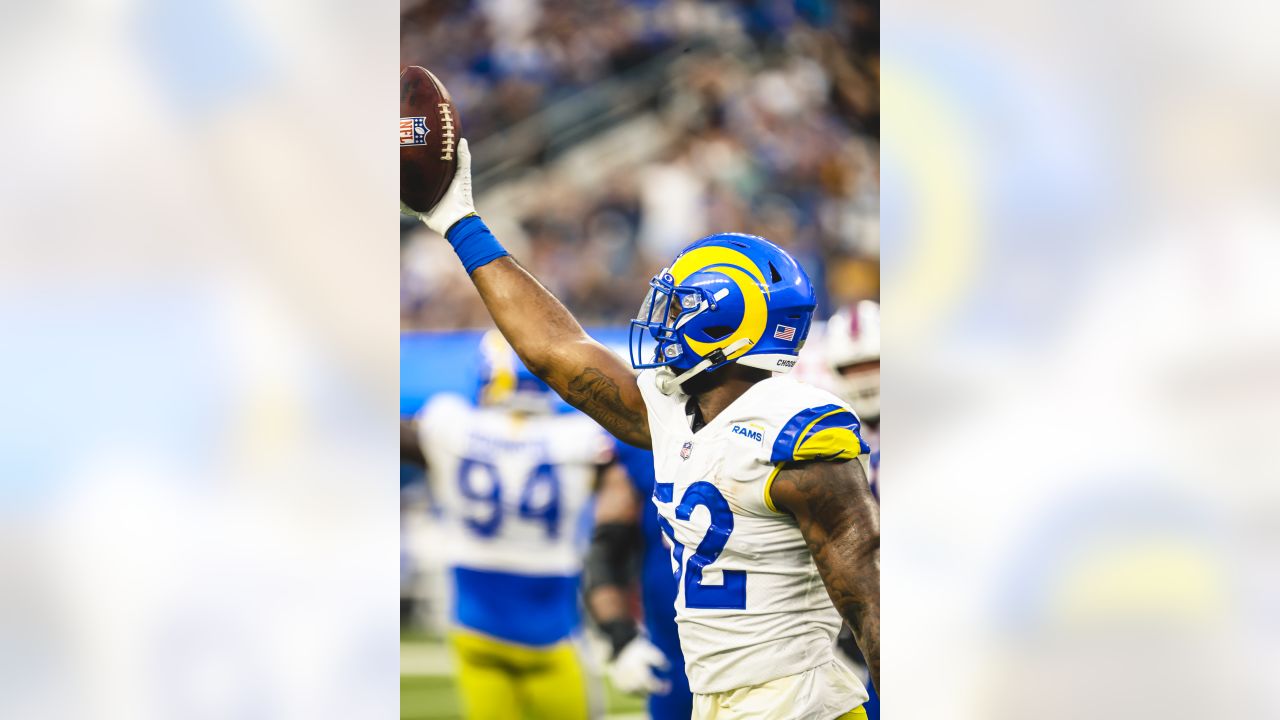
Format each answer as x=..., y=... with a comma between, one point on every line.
x=717, y=332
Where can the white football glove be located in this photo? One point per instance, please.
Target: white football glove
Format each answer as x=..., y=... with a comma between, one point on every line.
x=456, y=203
x=633, y=670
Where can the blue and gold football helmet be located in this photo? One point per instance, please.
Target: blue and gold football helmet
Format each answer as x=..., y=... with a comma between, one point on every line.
x=505, y=382
x=726, y=298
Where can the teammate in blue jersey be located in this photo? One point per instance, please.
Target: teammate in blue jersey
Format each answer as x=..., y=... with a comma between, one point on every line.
x=626, y=526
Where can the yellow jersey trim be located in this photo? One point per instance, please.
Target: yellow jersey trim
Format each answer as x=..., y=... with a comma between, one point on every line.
x=768, y=501
x=804, y=433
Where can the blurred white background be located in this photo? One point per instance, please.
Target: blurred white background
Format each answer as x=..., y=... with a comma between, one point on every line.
x=1081, y=337
x=198, y=266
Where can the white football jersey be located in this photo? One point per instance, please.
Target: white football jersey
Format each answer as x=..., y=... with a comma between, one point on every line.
x=750, y=605
x=513, y=487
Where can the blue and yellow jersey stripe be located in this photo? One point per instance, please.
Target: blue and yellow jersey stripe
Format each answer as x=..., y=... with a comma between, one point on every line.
x=829, y=432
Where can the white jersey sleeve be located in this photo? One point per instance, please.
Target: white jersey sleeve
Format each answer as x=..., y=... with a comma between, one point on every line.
x=578, y=440
x=442, y=423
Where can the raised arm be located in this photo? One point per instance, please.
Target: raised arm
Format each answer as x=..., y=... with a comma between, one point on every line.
x=840, y=520
x=547, y=338
x=588, y=375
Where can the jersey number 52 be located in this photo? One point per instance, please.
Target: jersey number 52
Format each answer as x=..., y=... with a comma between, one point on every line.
x=731, y=594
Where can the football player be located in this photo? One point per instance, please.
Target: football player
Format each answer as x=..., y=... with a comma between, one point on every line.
x=627, y=530
x=846, y=360
x=852, y=347
x=853, y=352
x=843, y=355
x=755, y=486
x=514, y=478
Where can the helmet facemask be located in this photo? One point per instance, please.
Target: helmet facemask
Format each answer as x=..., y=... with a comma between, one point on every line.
x=655, y=332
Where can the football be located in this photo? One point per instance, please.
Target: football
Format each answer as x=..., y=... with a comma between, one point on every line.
x=429, y=134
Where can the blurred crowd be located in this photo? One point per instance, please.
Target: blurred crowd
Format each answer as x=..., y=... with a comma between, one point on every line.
x=769, y=117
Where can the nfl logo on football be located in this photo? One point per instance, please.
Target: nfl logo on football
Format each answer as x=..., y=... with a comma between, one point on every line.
x=684, y=451
x=413, y=131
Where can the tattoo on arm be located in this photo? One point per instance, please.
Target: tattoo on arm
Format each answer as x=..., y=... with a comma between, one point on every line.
x=840, y=521
x=555, y=348
x=598, y=395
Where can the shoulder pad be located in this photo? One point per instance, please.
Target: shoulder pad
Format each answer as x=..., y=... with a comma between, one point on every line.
x=576, y=438
x=828, y=432
x=443, y=408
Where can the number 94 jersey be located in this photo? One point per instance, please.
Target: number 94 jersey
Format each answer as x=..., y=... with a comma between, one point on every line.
x=515, y=485
x=513, y=488
x=750, y=604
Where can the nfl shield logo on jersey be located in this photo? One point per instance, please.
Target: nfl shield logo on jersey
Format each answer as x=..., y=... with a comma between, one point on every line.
x=684, y=451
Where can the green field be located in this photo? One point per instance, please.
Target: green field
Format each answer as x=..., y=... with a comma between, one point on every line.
x=426, y=685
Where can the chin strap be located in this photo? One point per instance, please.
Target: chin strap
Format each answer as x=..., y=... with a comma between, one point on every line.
x=669, y=383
